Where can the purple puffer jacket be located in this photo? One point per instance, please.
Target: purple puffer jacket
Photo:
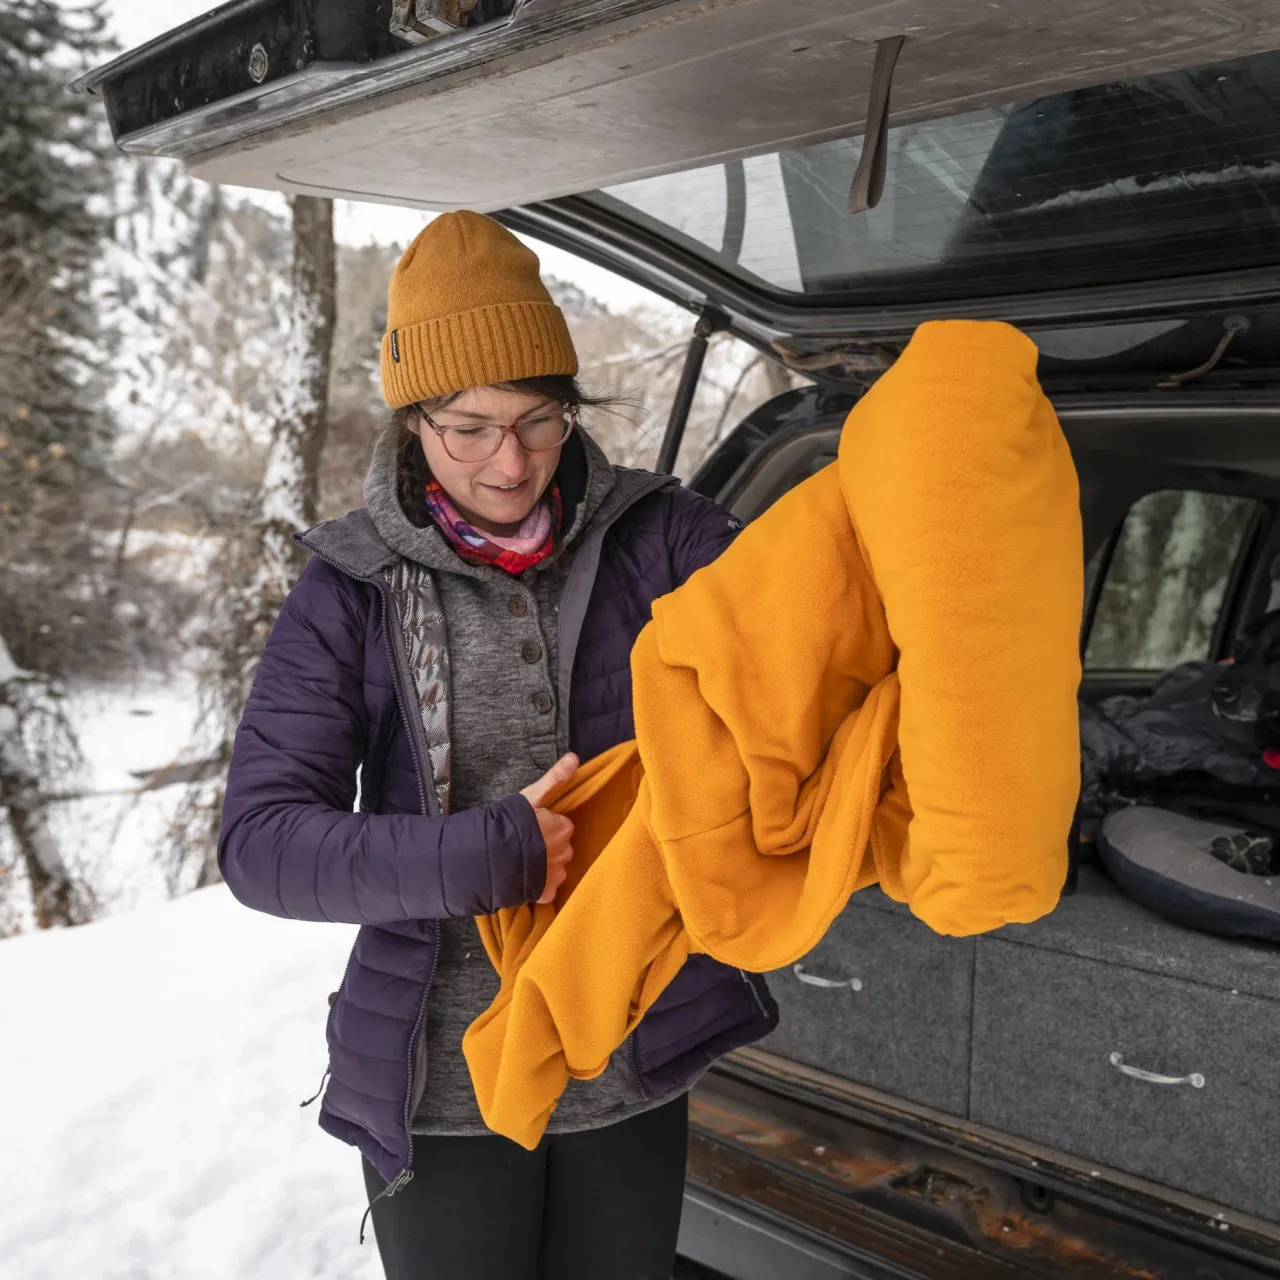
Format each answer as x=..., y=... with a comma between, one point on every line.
x=328, y=703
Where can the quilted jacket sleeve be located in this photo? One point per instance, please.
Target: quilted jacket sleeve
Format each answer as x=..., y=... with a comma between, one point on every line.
x=290, y=844
x=699, y=531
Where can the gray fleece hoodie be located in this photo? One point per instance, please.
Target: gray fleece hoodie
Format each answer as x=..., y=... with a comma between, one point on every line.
x=503, y=733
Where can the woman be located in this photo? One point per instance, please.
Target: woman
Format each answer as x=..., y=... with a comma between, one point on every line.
x=450, y=652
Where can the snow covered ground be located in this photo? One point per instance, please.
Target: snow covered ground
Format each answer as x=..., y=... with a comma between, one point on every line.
x=152, y=1066
x=152, y=1063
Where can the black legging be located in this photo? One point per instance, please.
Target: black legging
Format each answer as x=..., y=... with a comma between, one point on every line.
x=599, y=1205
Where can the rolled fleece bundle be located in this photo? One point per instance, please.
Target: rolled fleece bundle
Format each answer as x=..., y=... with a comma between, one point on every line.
x=876, y=682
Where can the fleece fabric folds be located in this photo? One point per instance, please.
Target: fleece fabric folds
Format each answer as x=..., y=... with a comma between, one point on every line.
x=875, y=683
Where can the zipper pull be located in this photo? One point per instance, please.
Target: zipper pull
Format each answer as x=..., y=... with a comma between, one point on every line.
x=402, y=1179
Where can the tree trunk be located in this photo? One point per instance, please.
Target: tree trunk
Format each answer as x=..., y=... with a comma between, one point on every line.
x=290, y=486
x=57, y=899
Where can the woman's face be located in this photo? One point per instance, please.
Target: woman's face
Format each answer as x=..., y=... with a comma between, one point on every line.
x=494, y=494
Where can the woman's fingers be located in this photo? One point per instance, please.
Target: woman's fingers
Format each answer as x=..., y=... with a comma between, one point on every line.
x=556, y=829
x=559, y=773
x=557, y=834
x=557, y=872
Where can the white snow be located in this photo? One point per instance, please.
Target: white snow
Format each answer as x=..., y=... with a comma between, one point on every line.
x=113, y=833
x=126, y=733
x=152, y=1071
x=9, y=670
x=1186, y=180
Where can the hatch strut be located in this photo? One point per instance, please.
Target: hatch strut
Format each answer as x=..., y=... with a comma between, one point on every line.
x=709, y=321
x=868, y=178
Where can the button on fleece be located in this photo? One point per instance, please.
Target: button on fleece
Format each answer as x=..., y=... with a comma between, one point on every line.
x=517, y=606
x=531, y=652
x=542, y=702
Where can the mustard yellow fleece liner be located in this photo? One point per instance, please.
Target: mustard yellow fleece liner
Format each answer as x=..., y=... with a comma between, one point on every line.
x=875, y=683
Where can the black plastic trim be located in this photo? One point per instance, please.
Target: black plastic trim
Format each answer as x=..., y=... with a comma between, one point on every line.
x=583, y=227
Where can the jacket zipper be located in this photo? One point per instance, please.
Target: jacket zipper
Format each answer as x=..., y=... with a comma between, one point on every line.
x=393, y=659
x=599, y=531
x=413, y=727
x=405, y=1176
x=633, y=1053
x=635, y=1066
x=755, y=995
x=402, y=1179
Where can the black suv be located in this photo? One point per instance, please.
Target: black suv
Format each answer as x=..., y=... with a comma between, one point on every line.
x=1094, y=1095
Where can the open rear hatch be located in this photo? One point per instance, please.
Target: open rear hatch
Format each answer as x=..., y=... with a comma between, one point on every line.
x=534, y=100
x=1104, y=173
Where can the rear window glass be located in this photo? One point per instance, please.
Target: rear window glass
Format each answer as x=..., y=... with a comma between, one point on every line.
x=1153, y=177
x=1166, y=581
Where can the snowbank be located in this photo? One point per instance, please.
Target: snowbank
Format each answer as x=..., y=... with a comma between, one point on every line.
x=151, y=1071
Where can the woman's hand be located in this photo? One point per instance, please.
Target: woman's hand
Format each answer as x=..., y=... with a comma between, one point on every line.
x=557, y=830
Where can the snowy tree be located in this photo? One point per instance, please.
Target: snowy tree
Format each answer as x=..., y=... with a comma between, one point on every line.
x=356, y=410
x=197, y=287
x=635, y=357
x=55, y=617
x=260, y=560
x=35, y=743
x=291, y=484
x=53, y=433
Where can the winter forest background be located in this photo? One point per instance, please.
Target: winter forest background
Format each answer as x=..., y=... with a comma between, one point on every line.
x=187, y=375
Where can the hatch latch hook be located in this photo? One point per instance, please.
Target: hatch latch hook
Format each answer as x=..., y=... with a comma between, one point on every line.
x=1231, y=326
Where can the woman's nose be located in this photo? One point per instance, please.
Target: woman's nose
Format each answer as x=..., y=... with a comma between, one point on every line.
x=512, y=457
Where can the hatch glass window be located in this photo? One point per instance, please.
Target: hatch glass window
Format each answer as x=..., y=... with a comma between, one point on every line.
x=1153, y=177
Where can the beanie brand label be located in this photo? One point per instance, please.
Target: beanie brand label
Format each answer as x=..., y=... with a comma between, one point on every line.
x=395, y=345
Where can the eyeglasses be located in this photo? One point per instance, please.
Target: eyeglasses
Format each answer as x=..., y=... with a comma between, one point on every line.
x=537, y=432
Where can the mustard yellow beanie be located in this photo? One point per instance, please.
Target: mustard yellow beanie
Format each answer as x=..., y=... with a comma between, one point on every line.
x=467, y=308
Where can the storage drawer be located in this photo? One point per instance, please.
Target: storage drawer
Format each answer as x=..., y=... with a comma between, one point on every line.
x=882, y=1001
x=1064, y=1051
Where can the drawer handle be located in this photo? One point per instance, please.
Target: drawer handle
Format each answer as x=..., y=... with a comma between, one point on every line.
x=1195, y=1079
x=829, y=984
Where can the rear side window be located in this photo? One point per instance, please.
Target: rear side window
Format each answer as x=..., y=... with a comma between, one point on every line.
x=1166, y=582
